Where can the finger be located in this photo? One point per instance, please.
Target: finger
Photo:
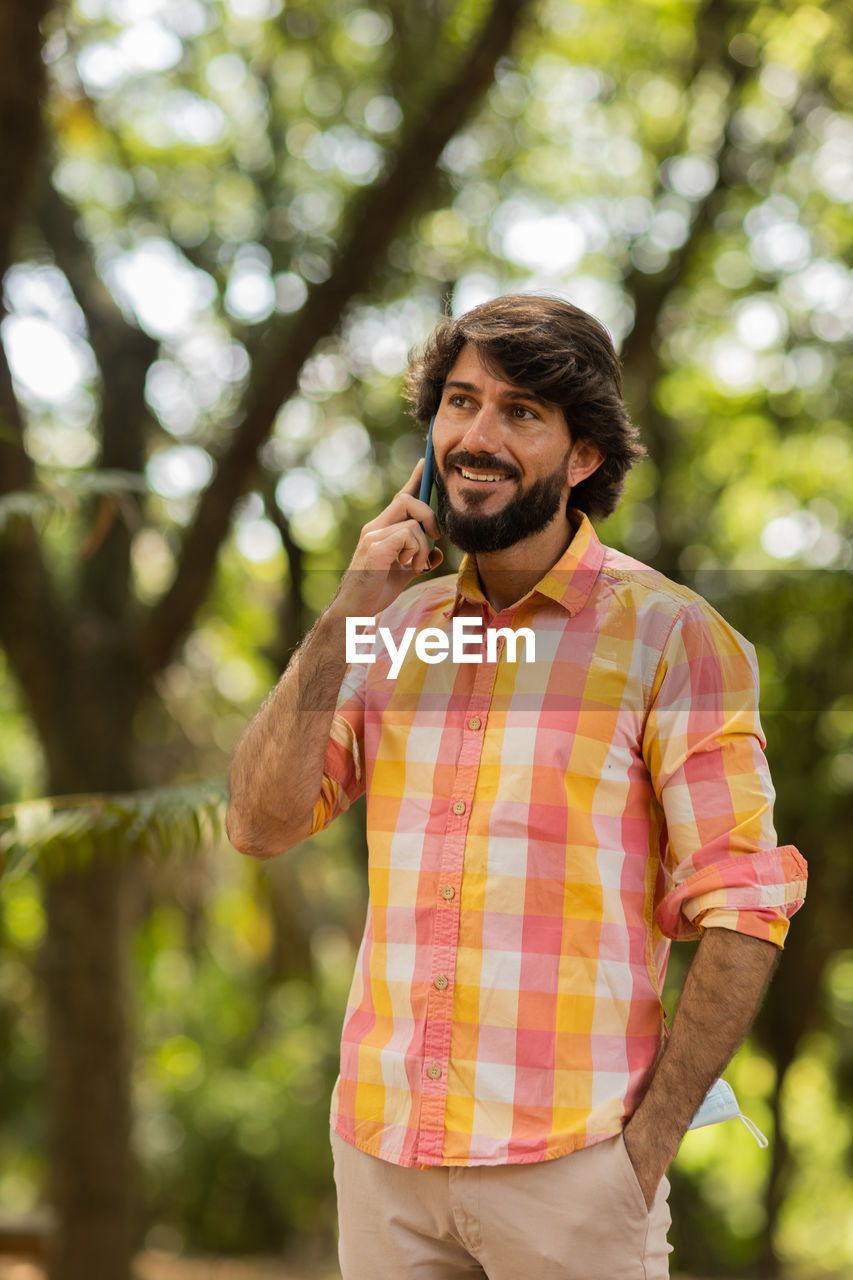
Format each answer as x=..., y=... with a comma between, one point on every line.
x=416, y=550
x=402, y=507
x=410, y=552
x=412, y=507
x=403, y=542
x=424, y=563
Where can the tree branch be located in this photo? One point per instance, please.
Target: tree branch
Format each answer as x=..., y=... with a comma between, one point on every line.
x=291, y=611
x=22, y=84
x=377, y=218
x=651, y=293
x=32, y=630
x=33, y=627
x=124, y=354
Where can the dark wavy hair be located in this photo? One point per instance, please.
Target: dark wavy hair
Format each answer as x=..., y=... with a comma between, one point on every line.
x=561, y=354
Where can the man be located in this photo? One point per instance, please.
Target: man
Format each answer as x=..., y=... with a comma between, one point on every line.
x=538, y=831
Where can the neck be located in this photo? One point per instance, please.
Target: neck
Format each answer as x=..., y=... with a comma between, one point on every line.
x=507, y=576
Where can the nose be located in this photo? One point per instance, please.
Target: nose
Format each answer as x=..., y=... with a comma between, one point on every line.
x=484, y=432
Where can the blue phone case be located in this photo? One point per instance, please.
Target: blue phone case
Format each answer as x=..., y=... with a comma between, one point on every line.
x=426, y=479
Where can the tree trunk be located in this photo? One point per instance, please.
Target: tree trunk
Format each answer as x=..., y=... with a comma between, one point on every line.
x=93, y=1186
x=780, y=1169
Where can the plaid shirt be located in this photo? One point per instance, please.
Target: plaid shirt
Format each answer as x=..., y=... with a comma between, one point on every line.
x=537, y=834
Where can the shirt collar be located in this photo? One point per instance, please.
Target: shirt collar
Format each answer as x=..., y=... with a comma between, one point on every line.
x=568, y=582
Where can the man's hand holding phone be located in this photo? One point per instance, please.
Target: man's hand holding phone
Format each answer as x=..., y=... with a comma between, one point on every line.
x=392, y=550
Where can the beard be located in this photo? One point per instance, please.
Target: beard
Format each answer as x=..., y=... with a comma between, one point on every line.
x=528, y=511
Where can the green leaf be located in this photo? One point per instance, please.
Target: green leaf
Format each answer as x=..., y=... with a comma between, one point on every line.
x=158, y=822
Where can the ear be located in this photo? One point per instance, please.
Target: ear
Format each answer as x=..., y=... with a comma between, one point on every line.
x=583, y=460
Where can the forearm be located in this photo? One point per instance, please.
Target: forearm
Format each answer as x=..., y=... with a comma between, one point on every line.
x=722, y=993
x=278, y=766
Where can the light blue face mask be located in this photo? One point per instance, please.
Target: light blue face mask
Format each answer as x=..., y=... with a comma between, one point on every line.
x=721, y=1104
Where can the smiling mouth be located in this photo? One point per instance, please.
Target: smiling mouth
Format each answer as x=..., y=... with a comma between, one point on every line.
x=482, y=477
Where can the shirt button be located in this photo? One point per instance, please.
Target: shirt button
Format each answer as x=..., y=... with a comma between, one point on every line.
x=434, y=1071
x=459, y=807
x=448, y=892
x=474, y=722
x=441, y=982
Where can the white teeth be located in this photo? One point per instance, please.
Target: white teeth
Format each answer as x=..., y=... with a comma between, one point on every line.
x=480, y=475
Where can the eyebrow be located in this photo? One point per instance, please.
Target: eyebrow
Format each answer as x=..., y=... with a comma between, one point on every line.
x=517, y=393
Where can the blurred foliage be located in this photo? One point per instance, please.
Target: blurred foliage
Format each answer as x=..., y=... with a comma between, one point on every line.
x=682, y=170
x=237, y=1062
x=161, y=821
x=237, y=1037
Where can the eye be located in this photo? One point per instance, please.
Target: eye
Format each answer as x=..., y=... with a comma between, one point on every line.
x=523, y=413
x=458, y=400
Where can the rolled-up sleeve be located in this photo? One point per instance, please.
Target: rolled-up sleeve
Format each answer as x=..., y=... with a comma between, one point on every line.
x=343, y=763
x=704, y=749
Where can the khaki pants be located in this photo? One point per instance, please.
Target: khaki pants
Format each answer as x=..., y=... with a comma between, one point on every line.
x=579, y=1217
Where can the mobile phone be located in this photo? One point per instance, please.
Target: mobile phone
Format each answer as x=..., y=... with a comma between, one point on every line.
x=429, y=462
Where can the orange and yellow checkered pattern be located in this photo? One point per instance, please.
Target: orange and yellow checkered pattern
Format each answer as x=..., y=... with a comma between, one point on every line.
x=538, y=833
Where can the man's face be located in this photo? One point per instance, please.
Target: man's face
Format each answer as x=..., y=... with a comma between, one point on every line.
x=503, y=458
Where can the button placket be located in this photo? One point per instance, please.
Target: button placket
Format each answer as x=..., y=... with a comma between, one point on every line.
x=438, y=1027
